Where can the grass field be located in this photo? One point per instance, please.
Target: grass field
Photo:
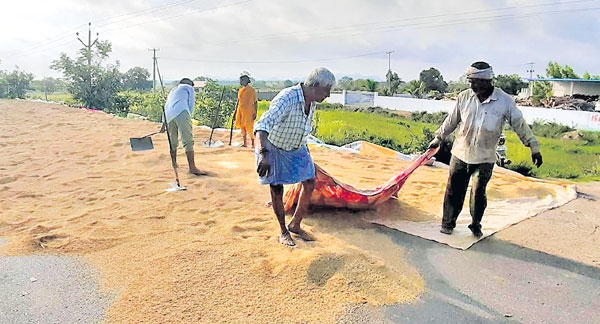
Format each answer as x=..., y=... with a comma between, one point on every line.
x=56, y=97
x=573, y=159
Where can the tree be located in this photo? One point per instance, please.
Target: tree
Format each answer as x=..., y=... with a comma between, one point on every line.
x=511, y=84
x=455, y=87
x=136, y=78
x=542, y=90
x=288, y=83
x=18, y=83
x=208, y=111
x=588, y=76
x=393, y=81
x=433, y=80
x=554, y=70
x=3, y=85
x=370, y=85
x=48, y=85
x=94, y=85
x=415, y=88
x=345, y=83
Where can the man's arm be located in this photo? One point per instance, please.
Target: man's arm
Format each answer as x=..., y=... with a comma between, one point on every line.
x=518, y=124
x=191, y=100
x=448, y=125
x=264, y=165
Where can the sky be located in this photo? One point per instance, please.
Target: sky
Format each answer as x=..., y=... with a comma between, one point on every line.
x=280, y=40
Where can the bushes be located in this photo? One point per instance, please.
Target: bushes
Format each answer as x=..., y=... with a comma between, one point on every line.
x=550, y=129
x=211, y=110
x=147, y=104
x=425, y=117
x=207, y=110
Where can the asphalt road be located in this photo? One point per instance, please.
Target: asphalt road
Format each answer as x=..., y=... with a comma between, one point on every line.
x=497, y=282
x=49, y=289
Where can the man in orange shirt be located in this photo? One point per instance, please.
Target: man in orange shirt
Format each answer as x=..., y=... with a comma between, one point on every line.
x=246, y=109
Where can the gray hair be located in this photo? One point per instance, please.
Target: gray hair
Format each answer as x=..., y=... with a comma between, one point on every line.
x=320, y=77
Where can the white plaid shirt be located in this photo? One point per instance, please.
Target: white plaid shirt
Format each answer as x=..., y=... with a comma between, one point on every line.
x=285, y=121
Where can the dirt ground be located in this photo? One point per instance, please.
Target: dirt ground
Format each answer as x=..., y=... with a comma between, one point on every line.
x=70, y=185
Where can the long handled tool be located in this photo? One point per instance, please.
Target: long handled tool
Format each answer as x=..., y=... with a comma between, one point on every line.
x=213, y=121
x=233, y=121
x=174, y=186
x=142, y=143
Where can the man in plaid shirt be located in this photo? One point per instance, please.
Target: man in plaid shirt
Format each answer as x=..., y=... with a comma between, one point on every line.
x=281, y=154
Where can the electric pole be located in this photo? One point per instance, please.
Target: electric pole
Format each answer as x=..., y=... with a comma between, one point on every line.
x=531, y=70
x=88, y=52
x=154, y=67
x=389, y=73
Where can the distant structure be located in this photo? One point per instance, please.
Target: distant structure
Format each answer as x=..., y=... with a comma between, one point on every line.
x=570, y=87
x=199, y=85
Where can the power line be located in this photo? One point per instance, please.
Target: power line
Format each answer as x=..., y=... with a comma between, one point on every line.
x=142, y=12
x=179, y=15
x=273, y=62
x=427, y=21
x=62, y=36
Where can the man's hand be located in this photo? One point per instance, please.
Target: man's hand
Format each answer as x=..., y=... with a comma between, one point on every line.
x=435, y=143
x=263, y=165
x=536, y=158
x=163, y=128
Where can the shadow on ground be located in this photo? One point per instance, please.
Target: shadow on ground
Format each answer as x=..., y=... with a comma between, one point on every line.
x=496, y=282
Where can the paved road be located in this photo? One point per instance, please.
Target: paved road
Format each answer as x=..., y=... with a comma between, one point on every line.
x=497, y=282
x=49, y=289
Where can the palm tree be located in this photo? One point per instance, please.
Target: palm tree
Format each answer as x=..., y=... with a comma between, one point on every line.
x=371, y=85
x=416, y=88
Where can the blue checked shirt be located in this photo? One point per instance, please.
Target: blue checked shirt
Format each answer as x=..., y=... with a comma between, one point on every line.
x=285, y=121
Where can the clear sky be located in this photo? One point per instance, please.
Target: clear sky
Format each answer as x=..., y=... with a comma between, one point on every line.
x=280, y=39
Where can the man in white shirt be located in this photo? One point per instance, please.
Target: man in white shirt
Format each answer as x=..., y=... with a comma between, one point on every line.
x=178, y=110
x=478, y=118
x=281, y=153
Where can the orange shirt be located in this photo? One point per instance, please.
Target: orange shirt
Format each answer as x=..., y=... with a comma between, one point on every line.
x=245, y=110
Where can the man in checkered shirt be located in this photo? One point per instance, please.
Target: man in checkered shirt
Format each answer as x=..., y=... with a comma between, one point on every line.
x=281, y=153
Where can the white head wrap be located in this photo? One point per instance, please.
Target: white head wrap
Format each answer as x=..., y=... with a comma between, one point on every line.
x=475, y=73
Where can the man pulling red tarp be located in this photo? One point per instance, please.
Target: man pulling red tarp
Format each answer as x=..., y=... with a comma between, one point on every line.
x=329, y=192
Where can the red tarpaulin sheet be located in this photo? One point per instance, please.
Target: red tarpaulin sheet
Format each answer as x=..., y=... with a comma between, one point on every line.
x=331, y=193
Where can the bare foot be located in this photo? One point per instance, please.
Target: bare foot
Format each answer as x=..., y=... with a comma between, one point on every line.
x=198, y=172
x=286, y=239
x=302, y=234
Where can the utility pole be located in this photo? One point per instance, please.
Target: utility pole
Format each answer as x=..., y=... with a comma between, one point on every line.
x=45, y=87
x=531, y=70
x=154, y=67
x=88, y=52
x=389, y=76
